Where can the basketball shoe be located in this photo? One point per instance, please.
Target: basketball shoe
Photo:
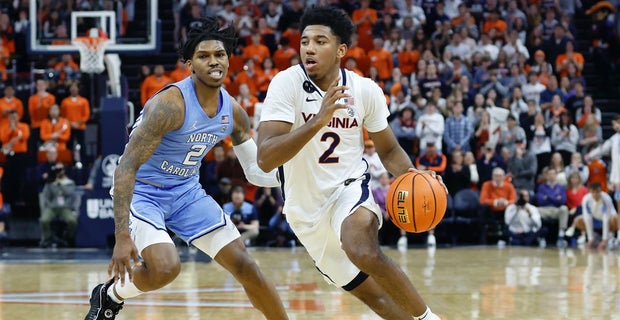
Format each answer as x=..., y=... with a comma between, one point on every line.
x=101, y=306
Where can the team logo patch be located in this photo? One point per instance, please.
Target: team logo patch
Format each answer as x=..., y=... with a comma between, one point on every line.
x=351, y=112
x=224, y=129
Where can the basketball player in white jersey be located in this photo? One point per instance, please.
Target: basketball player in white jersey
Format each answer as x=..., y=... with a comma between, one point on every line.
x=312, y=129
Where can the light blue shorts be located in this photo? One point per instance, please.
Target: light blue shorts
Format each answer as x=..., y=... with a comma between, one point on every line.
x=186, y=209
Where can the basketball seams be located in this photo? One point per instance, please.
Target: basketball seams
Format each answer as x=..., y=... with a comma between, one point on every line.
x=434, y=202
x=415, y=226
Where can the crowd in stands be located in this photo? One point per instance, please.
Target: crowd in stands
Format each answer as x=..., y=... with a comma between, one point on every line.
x=490, y=94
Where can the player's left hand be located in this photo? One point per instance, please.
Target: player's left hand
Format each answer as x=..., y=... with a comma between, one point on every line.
x=433, y=174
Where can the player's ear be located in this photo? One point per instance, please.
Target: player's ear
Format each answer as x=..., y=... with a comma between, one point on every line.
x=342, y=50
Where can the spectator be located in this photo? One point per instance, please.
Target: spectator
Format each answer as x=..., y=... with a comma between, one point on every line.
x=432, y=159
x=526, y=120
x=458, y=180
x=514, y=80
x=375, y=166
x=270, y=199
x=268, y=72
x=243, y=215
x=282, y=56
x=553, y=110
x=577, y=166
x=381, y=59
x=565, y=136
x=408, y=58
x=14, y=137
x=522, y=167
x=256, y=50
x=250, y=76
x=524, y=222
x=458, y=130
x=588, y=108
x=495, y=196
x=66, y=69
x=222, y=195
x=556, y=162
x=511, y=134
x=76, y=109
x=533, y=88
x=569, y=57
x=590, y=135
x=470, y=160
x=556, y=44
x=153, y=83
x=58, y=197
x=551, y=203
x=575, y=191
x=487, y=162
x=430, y=127
x=10, y=103
x=247, y=101
x=495, y=84
x=576, y=100
x=598, y=214
x=55, y=131
x=231, y=168
x=404, y=127
x=39, y=109
x=180, y=72
x=475, y=111
x=552, y=90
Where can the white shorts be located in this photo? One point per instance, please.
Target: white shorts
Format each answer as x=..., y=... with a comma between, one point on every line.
x=322, y=238
x=145, y=234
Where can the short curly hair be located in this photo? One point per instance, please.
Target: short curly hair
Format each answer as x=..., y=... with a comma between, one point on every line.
x=208, y=29
x=336, y=19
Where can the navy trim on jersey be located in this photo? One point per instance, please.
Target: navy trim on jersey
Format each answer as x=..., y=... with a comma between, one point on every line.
x=325, y=275
x=342, y=72
x=281, y=174
x=361, y=277
x=365, y=190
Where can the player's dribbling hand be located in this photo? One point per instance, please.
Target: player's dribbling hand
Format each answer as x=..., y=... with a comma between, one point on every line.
x=330, y=102
x=124, y=251
x=433, y=174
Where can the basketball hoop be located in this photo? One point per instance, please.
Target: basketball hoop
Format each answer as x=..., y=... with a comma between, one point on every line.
x=92, y=50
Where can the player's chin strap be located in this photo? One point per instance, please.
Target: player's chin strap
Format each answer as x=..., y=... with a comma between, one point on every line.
x=246, y=153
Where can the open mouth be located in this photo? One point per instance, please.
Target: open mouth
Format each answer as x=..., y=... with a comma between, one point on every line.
x=310, y=63
x=216, y=74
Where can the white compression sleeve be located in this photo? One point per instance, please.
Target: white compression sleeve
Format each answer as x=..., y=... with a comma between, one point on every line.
x=246, y=153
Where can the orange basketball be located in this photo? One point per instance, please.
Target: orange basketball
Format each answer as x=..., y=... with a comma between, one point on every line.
x=416, y=201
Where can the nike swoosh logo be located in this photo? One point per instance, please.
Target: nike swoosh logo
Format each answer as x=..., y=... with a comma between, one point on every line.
x=310, y=100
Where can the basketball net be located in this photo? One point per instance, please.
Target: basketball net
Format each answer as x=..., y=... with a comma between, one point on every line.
x=92, y=50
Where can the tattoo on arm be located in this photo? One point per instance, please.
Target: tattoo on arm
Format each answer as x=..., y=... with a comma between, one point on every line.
x=164, y=114
x=241, y=130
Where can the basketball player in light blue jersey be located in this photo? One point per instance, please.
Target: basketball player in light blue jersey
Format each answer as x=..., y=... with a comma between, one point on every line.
x=156, y=183
x=312, y=128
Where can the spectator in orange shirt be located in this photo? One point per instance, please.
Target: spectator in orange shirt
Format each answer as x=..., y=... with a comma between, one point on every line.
x=265, y=77
x=153, y=83
x=381, y=59
x=14, y=137
x=408, y=59
x=66, y=69
x=76, y=109
x=250, y=76
x=10, y=103
x=180, y=72
x=55, y=130
x=39, y=109
x=247, y=101
x=4, y=60
x=358, y=53
x=569, y=57
x=282, y=56
x=365, y=18
x=494, y=22
x=256, y=50
x=432, y=159
x=497, y=193
x=351, y=64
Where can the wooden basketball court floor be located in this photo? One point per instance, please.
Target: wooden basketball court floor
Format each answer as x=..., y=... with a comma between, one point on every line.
x=460, y=283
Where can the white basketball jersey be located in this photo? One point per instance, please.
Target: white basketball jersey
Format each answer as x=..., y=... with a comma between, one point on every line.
x=334, y=154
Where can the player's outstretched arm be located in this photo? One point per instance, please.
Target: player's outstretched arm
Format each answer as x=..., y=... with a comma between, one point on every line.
x=163, y=113
x=393, y=157
x=246, y=151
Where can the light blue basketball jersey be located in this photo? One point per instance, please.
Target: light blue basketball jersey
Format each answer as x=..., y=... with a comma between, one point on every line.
x=178, y=157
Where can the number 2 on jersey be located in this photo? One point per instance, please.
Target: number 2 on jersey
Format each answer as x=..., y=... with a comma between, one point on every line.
x=196, y=153
x=326, y=156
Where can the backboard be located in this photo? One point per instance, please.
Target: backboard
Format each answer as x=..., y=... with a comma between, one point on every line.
x=133, y=28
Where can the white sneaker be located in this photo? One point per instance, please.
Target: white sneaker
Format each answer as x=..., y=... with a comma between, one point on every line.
x=501, y=243
x=582, y=239
x=570, y=232
x=402, y=243
x=431, y=241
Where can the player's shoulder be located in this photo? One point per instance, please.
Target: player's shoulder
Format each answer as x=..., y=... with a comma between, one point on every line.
x=292, y=73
